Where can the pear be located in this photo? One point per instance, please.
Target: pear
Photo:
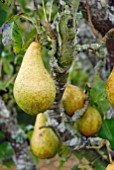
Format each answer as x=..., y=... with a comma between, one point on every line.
x=90, y=123
x=110, y=88
x=34, y=88
x=110, y=166
x=73, y=99
x=44, y=141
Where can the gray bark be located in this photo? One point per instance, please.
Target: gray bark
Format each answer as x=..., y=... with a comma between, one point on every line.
x=15, y=135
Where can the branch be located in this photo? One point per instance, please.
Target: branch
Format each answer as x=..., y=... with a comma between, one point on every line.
x=100, y=15
x=90, y=21
x=15, y=135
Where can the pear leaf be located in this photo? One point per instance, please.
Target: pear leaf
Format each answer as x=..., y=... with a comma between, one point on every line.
x=11, y=35
x=107, y=131
x=75, y=167
x=6, y=2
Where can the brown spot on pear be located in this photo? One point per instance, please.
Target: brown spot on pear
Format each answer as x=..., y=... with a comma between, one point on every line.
x=110, y=88
x=110, y=166
x=44, y=142
x=73, y=99
x=90, y=123
x=34, y=88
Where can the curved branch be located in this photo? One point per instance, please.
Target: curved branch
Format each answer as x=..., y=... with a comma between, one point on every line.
x=15, y=135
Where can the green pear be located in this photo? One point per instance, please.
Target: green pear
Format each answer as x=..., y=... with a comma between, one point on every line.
x=90, y=123
x=73, y=99
x=44, y=141
x=110, y=88
x=34, y=88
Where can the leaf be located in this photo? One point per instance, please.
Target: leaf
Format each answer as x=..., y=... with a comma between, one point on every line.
x=6, y=2
x=100, y=168
x=2, y=135
x=64, y=155
x=6, y=152
x=8, y=68
x=11, y=35
x=2, y=86
x=45, y=2
x=98, y=97
x=74, y=168
x=2, y=16
x=107, y=131
x=77, y=4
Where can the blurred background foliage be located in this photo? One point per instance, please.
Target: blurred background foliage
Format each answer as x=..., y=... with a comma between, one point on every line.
x=18, y=30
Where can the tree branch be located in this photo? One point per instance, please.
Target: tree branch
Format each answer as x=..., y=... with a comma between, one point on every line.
x=15, y=135
x=100, y=15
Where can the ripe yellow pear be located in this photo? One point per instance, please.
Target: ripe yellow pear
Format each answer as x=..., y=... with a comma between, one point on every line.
x=110, y=166
x=44, y=141
x=73, y=99
x=110, y=88
x=90, y=123
x=34, y=88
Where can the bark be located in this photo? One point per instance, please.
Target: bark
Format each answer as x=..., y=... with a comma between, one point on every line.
x=100, y=15
x=103, y=20
x=15, y=135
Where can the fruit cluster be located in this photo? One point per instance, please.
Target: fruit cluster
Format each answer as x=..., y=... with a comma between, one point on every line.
x=35, y=92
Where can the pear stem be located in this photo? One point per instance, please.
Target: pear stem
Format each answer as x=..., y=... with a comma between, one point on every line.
x=45, y=126
x=37, y=37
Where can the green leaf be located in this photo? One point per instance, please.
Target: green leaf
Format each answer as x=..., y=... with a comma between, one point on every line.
x=74, y=167
x=5, y=153
x=78, y=155
x=100, y=168
x=2, y=135
x=29, y=134
x=2, y=86
x=8, y=68
x=98, y=97
x=45, y=2
x=6, y=2
x=64, y=155
x=107, y=131
x=77, y=4
x=2, y=16
x=11, y=35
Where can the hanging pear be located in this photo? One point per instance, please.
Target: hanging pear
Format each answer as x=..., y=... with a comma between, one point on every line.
x=44, y=141
x=110, y=88
x=90, y=123
x=34, y=88
x=73, y=99
x=110, y=166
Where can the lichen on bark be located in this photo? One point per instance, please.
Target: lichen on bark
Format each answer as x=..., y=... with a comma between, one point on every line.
x=15, y=135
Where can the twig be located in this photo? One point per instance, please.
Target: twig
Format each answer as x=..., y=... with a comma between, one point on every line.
x=74, y=16
x=49, y=29
x=36, y=7
x=102, y=143
x=51, y=5
x=5, y=160
x=45, y=126
x=37, y=21
x=109, y=35
x=90, y=21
